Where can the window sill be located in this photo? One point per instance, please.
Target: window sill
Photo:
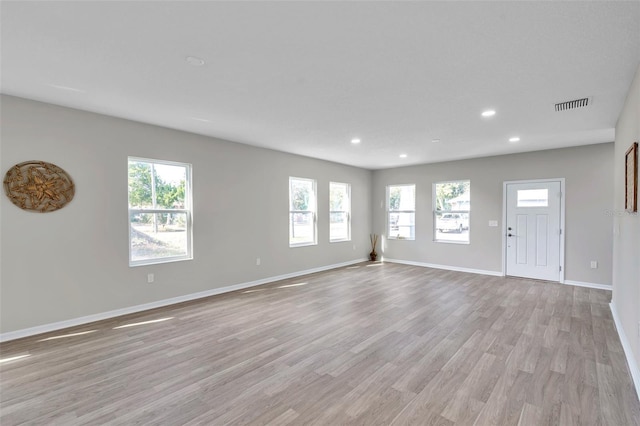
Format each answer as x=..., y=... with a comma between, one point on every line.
x=158, y=261
x=452, y=242
x=344, y=240
x=302, y=245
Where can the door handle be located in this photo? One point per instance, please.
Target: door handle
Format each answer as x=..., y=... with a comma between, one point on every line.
x=511, y=235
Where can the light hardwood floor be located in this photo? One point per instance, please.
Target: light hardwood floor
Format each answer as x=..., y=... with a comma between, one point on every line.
x=371, y=344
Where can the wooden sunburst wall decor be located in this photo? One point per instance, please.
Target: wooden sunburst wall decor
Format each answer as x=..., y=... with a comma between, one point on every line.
x=38, y=186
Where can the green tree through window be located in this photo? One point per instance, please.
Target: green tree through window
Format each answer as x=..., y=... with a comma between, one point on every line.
x=448, y=191
x=159, y=211
x=302, y=211
x=140, y=193
x=451, y=211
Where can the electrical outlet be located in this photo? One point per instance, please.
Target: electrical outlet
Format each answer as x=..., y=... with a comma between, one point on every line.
x=150, y=278
x=257, y=261
x=638, y=328
x=354, y=247
x=594, y=264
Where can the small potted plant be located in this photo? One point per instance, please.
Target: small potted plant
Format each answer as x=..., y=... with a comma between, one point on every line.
x=373, y=256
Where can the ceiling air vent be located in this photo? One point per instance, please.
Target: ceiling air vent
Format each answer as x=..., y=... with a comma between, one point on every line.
x=577, y=103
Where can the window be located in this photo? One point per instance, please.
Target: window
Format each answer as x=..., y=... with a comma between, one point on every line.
x=401, y=209
x=159, y=211
x=452, y=205
x=339, y=211
x=533, y=198
x=302, y=212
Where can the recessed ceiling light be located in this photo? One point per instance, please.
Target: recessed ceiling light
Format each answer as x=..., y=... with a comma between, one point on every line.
x=435, y=140
x=195, y=61
x=355, y=141
x=403, y=155
x=514, y=139
x=489, y=113
x=67, y=88
x=201, y=119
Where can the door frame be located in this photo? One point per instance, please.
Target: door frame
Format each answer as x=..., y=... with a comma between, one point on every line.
x=562, y=220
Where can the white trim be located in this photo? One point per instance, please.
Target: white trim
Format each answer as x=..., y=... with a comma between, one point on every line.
x=562, y=221
x=504, y=229
x=451, y=242
x=588, y=285
x=347, y=211
x=188, y=210
x=492, y=273
x=634, y=369
x=302, y=245
x=446, y=267
x=434, y=212
x=45, y=328
x=388, y=212
x=314, y=212
x=563, y=227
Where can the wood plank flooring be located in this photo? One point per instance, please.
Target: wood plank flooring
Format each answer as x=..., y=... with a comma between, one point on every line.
x=370, y=344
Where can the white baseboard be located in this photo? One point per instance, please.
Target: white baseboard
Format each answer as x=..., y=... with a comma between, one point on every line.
x=446, y=267
x=492, y=273
x=626, y=345
x=45, y=328
x=589, y=285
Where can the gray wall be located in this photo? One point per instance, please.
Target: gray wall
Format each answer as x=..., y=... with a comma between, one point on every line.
x=588, y=171
x=74, y=262
x=626, y=247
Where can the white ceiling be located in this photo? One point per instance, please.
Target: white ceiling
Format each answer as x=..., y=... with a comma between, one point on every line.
x=307, y=77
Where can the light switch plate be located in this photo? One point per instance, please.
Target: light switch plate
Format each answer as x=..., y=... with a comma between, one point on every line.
x=493, y=223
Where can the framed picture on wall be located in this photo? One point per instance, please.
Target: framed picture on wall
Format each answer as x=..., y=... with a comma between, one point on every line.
x=631, y=178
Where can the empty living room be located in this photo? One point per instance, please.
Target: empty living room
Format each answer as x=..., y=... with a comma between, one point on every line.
x=319, y=213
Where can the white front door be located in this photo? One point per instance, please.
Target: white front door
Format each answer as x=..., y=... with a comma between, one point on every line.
x=533, y=230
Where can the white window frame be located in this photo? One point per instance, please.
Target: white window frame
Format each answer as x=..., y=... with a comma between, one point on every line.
x=389, y=212
x=313, y=201
x=435, y=211
x=347, y=211
x=188, y=210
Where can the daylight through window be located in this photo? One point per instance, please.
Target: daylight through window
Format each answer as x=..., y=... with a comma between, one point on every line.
x=452, y=206
x=401, y=212
x=533, y=198
x=302, y=212
x=339, y=211
x=159, y=211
